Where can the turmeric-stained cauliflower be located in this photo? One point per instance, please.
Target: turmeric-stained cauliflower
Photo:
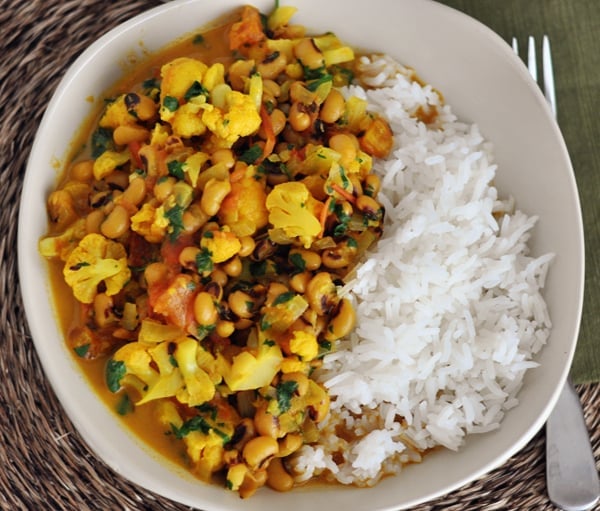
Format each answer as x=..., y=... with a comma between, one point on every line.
x=96, y=260
x=150, y=222
x=178, y=367
x=236, y=117
x=244, y=210
x=293, y=212
x=221, y=244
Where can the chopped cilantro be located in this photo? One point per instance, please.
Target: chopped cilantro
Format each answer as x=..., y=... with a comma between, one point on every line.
x=208, y=234
x=198, y=39
x=204, y=330
x=284, y=297
x=175, y=218
x=314, y=74
x=313, y=85
x=125, y=405
x=258, y=268
x=102, y=141
x=352, y=243
x=197, y=423
x=175, y=168
x=114, y=372
x=264, y=324
x=285, y=391
x=170, y=103
x=269, y=342
x=250, y=155
x=298, y=261
x=196, y=89
x=204, y=262
x=82, y=350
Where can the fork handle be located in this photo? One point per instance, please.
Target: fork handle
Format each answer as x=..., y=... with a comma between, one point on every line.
x=571, y=474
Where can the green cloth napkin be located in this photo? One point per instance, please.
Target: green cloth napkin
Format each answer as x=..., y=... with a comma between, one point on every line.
x=574, y=30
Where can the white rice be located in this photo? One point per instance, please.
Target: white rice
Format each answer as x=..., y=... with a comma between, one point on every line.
x=448, y=303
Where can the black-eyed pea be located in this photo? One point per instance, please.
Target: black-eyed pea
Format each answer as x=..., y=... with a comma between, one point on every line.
x=241, y=304
x=278, y=477
x=311, y=261
x=163, y=188
x=219, y=276
x=272, y=87
x=194, y=218
x=298, y=119
x=94, y=220
x=346, y=145
x=333, y=107
x=342, y=323
x=340, y=256
x=239, y=72
x=266, y=423
x=187, y=257
x=205, y=312
x=272, y=66
x=224, y=328
x=233, y=267
x=289, y=444
x=247, y=246
x=321, y=293
x=224, y=156
x=128, y=133
x=117, y=223
x=299, y=281
x=214, y=289
x=215, y=190
x=135, y=193
x=259, y=451
x=307, y=52
x=83, y=171
x=143, y=107
x=369, y=207
x=117, y=180
x=317, y=402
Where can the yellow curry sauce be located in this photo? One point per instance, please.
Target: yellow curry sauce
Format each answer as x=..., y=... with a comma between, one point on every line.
x=198, y=241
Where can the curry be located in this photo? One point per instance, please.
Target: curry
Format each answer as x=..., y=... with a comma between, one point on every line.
x=198, y=242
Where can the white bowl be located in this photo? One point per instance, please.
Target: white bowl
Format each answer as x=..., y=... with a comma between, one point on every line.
x=483, y=81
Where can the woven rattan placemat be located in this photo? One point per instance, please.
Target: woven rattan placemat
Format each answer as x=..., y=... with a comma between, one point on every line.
x=44, y=463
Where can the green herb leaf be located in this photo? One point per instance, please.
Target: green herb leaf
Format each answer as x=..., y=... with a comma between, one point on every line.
x=195, y=90
x=101, y=141
x=125, y=405
x=175, y=218
x=264, y=323
x=250, y=155
x=285, y=391
x=269, y=342
x=175, y=168
x=198, y=39
x=298, y=261
x=204, y=261
x=82, y=350
x=313, y=85
x=171, y=103
x=284, y=297
x=115, y=370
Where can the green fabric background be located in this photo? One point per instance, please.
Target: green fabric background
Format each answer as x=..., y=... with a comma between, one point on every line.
x=574, y=30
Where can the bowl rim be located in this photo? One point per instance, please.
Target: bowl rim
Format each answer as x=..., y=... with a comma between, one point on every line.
x=24, y=244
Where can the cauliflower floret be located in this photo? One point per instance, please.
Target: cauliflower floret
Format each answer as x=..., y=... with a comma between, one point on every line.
x=187, y=122
x=150, y=222
x=117, y=114
x=178, y=76
x=170, y=368
x=304, y=344
x=238, y=118
x=222, y=244
x=94, y=260
x=254, y=370
x=62, y=245
x=244, y=210
x=293, y=212
x=108, y=161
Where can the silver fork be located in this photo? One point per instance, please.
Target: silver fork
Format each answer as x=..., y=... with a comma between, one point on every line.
x=571, y=475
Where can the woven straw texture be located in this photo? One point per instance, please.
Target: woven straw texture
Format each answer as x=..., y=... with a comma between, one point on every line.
x=45, y=463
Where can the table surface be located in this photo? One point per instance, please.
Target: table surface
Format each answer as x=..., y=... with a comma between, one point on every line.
x=45, y=463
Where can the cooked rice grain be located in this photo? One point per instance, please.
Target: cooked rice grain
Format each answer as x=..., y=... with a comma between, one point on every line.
x=449, y=304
